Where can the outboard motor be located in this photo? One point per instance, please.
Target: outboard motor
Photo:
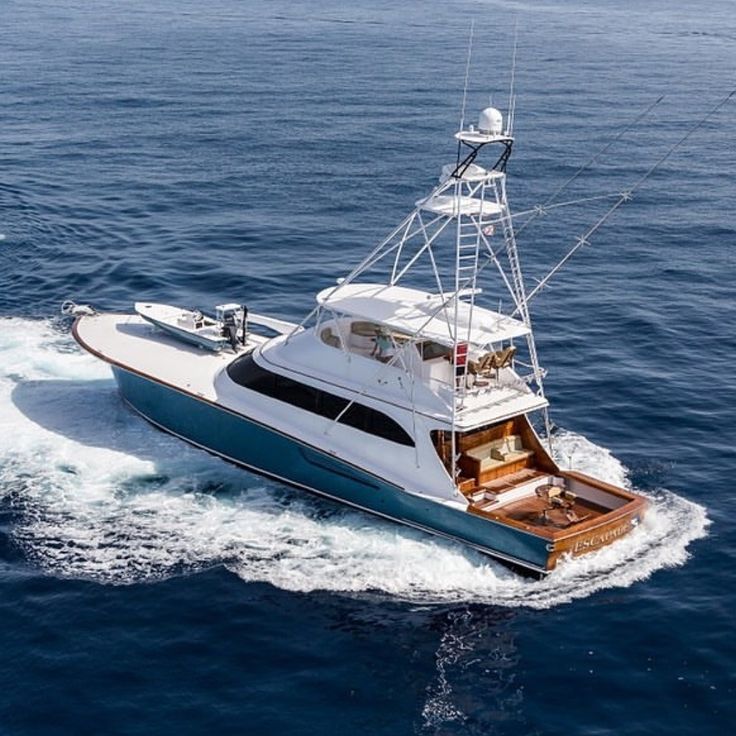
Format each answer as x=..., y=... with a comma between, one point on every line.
x=232, y=321
x=230, y=330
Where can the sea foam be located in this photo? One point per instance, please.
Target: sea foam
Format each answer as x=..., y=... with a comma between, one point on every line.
x=97, y=493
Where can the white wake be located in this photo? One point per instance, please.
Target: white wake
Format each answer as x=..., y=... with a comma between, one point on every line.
x=97, y=493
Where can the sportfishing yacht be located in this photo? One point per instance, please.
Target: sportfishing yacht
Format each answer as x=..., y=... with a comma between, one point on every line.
x=409, y=391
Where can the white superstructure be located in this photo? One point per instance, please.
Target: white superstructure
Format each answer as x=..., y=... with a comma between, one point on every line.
x=427, y=292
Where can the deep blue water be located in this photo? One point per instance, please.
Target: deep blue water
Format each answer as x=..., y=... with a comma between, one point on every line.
x=189, y=152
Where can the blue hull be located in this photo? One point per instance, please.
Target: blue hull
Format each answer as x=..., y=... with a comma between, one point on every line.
x=264, y=450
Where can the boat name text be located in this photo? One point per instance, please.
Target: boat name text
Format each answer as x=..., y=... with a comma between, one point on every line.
x=598, y=540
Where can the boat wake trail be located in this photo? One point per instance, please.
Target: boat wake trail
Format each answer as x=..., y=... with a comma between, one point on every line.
x=93, y=492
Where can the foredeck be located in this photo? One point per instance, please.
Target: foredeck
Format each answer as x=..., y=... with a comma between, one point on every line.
x=127, y=340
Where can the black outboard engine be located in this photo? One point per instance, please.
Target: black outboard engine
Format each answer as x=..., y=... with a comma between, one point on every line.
x=232, y=324
x=230, y=330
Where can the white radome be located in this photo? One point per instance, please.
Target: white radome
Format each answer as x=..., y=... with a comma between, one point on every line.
x=490, y=121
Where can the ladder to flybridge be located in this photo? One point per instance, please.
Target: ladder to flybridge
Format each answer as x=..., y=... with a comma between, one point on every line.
x=480, y=205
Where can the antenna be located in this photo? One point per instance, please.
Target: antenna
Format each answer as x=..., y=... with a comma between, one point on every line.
x=467, y=73
x=512, y=97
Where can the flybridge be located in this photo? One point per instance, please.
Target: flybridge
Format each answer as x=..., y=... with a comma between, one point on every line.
x=422, y=315
x=422, y=284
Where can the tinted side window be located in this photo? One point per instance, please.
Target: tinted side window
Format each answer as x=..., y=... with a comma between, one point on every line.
x=296, y=394
x=357, y=416
x=387, y=428
x=375, y=422
x=330, y=405
x=246, y=372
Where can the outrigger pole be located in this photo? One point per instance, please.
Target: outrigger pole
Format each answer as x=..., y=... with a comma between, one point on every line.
x=625, y=196
x=511, y=113
x=541, y=209
x=465, y=84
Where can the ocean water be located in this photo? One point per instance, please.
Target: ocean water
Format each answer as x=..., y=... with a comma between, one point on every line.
x=193, y=152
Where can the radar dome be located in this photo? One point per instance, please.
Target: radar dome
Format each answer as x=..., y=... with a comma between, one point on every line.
x=490, y=121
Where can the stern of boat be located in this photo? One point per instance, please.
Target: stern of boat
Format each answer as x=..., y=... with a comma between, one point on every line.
x=508, y=478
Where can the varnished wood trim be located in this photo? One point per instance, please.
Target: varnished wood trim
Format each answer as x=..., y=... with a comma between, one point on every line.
x=598, y=536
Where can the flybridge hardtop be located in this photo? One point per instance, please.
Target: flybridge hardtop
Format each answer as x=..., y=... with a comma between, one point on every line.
x=410, y=391
x=422, y=314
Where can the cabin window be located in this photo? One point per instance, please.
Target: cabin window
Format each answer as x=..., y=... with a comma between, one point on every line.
x=385, y=427
x=330, y=405
x=296, y=394
x=246, y=372
x=432, y=350
x=374, y=422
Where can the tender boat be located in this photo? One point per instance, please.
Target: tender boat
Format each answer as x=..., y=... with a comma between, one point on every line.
x=403, y=393
x=193, y=326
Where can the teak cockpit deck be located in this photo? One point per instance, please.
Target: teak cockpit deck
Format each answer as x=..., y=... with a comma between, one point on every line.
x=509, y=478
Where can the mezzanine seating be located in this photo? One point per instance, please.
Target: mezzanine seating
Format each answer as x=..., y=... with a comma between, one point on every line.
x=492, y=458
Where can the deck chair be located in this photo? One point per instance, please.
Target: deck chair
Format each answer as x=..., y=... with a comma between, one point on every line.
x=549, y=494
x=504, y=358
x=483, y=366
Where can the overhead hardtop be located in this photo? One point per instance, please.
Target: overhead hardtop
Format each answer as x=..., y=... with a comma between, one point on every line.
x=421, y=314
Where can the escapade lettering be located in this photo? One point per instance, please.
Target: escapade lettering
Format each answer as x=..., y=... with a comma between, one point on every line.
x=598, y=540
